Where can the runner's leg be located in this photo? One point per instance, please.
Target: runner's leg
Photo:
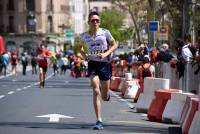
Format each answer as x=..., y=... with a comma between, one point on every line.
x=96, y=96
x=105, y=87
x=40, y=76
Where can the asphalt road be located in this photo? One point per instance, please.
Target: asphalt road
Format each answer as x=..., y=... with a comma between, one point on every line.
x=65, y=106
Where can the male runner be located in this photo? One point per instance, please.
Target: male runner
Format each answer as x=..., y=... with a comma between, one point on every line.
x=101, y=44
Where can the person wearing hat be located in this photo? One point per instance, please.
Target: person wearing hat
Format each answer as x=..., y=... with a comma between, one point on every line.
x=164, y=54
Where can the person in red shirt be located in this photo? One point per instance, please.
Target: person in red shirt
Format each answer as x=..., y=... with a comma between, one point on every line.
x=43, y=54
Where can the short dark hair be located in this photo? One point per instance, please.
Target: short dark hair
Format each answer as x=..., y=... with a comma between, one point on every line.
x=92, y=13
x=187, y=37
x=179, y=43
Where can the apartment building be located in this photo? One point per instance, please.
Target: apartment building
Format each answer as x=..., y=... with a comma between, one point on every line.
x=100, y=5
x=41, y=17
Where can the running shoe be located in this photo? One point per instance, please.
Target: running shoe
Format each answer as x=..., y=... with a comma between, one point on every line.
x=98, y=126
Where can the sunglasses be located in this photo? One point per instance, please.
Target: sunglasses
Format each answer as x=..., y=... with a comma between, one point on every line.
x=95, y=20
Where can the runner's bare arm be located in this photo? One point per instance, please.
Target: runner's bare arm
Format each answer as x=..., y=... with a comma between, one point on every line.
x=113, y=45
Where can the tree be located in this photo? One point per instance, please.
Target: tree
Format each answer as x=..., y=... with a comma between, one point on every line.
x=133, y=7
x=78, y=44
x=113, y=21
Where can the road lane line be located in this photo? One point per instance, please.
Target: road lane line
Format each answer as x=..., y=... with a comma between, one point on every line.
x=2, y=96
x=24, y=88
x=123, y=100
x=19, y=89
x=11, y=92
x=29, y=86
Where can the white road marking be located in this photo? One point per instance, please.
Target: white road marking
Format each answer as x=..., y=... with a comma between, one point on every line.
x=2, y=96
x=123, y=100
x=24, y=88
x=29, y=86
x=11, y=92
x=55, y=117
x=19, y=89
x=143, y=115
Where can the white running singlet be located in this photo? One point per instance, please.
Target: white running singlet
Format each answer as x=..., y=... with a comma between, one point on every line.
x=98, y=43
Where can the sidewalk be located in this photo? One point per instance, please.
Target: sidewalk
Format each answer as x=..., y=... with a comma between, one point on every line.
x=19, y=70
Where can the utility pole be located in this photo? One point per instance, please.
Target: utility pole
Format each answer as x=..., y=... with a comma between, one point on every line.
x=186, y=17
x=151, y=17
x=192, y=26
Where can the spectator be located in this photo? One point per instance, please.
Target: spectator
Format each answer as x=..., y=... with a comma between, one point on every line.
x=180, y=61
x=24, y=61
x=64, y=65
x=14, y=62
x=146, y=69
x=164, y=53
x=188, y=50
x=34, y=64
x=4, y=62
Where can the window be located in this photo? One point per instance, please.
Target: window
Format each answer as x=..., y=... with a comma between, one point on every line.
x=96, y=9
x=10, y=5
x=105, y=8
x=1, y=7
x=50, y=24
x=31, y=23
x=11, y=24
x=30, y=5
x=49, y=5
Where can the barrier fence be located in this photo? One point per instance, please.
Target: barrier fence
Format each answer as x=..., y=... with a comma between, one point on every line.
x=164, y=98
x=189, y=82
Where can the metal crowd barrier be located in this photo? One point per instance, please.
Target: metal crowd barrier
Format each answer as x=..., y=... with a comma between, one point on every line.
x=190, y=82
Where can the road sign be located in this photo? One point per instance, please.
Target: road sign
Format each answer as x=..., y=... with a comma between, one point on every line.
x=69, y=33
x=163, y=33
x=153, y=26
x=163, y=29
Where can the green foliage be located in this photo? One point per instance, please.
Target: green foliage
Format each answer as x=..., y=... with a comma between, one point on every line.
x=77, y=45
x=113, y=21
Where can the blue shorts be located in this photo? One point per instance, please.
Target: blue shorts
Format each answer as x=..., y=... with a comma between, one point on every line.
x=101, y=69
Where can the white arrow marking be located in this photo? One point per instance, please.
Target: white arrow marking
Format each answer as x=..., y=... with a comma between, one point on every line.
x=54, y=117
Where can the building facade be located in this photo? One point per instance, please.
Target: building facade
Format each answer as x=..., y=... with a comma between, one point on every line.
x=39, y=19
x=100, y=5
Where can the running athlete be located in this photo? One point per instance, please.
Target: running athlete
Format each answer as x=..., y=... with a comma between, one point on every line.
x=43, y=64
x=101, y=44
